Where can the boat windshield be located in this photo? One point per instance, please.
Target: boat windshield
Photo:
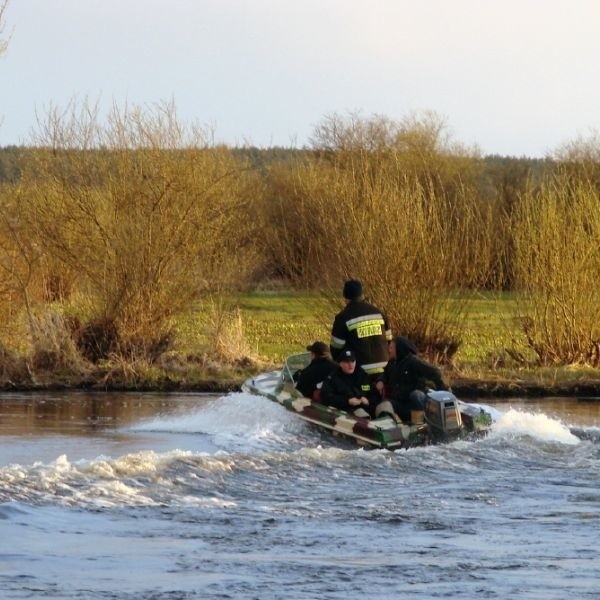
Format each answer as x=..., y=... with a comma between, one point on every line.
x=292, y=364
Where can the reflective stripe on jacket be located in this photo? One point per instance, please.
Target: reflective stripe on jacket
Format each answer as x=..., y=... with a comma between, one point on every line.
x=363, y=328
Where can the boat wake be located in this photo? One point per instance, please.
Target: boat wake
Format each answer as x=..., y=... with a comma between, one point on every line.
x=179, y=478
x=254, y=442
x=246, y=423
x=516, y=424
x=236, y=422
x=590, y=434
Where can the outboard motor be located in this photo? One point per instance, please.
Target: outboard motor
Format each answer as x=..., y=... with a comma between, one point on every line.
x=442, y=414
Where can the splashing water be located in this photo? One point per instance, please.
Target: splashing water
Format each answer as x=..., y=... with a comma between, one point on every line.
x=517, y=423
x=237, y=421
x=273, y=509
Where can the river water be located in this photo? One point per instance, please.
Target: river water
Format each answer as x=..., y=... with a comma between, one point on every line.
x=203, y=496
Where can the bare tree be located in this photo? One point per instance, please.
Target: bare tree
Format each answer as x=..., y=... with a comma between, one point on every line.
x=3, y=38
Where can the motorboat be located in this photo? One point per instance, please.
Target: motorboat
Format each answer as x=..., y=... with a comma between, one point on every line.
x=446, y=418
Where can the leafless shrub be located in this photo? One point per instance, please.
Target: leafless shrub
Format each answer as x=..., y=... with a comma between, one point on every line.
x=13, y=368
x=53, y=345
x=393, y=204
x=141, y=212
x=557, y=264
x=4, y=39
x=579, y=159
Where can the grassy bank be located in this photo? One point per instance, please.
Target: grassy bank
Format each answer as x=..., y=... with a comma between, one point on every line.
x=492, y=359
x=223, y=341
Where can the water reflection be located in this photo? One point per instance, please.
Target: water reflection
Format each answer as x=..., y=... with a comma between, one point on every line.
x=77, y=412
x=83, y=425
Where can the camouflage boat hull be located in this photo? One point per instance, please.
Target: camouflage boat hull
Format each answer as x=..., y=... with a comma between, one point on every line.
x=383, y=432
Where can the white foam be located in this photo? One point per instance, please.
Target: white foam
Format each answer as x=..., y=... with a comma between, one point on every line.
x=144, y=463
x=233, y=421
x=240, y=411
x=140, y=478
x=515, y=423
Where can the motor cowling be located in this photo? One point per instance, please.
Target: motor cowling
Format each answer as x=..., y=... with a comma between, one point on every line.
x=442, y=413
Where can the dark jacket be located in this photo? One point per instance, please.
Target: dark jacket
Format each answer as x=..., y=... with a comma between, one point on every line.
x=407, y=372
x=362, y=328
x=339, y=387
x=313, y=374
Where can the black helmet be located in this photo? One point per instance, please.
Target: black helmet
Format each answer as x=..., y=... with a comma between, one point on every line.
x=352, y=289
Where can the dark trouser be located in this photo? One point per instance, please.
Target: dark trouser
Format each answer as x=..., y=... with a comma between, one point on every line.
x=414, y=401
x=375, y=398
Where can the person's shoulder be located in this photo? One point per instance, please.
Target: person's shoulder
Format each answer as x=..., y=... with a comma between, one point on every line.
x=343, y=311
x=334, y=373
x=331, y=381
x=360, y=372
x=415, y=358
x=369, y=306
x=424, y=366
x=326, y=360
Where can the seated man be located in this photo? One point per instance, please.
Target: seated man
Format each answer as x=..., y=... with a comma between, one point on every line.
x=349, y=387
x=405, y=379
x=309, y=379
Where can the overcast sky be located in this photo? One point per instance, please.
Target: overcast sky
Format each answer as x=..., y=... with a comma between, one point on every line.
x=514, y=77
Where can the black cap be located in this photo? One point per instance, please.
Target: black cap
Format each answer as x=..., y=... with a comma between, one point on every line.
x=319, y=348
x=352, y=289
x=347, y=355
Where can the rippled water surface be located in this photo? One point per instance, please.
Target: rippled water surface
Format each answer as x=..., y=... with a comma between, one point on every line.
x=196, y=496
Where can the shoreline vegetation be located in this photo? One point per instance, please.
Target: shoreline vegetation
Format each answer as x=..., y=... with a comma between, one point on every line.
x=260, y=328
x=136, y=254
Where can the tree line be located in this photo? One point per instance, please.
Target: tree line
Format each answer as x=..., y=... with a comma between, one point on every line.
x=113, y=227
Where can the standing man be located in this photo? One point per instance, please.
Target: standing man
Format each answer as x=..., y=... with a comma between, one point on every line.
x=363, y=329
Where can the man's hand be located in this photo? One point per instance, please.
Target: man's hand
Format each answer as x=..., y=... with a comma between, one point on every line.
x=362, y=401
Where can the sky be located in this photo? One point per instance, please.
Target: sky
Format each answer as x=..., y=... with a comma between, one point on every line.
x=512, y=77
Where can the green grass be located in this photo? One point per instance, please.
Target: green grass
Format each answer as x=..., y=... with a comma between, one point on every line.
x=275, y=324
x=279, y=323
x=257, y=330
x=490, y=327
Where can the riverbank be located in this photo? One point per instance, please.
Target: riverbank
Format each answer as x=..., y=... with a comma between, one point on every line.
x=467, y=388
x=259, y=329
